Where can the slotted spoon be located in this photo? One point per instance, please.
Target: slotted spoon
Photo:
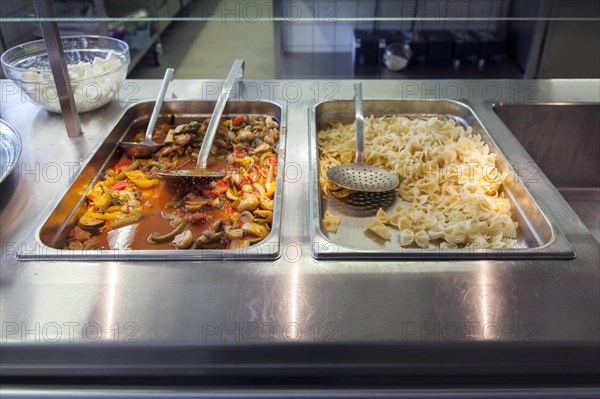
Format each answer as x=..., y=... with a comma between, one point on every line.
x=200, y=173
x=358, y=176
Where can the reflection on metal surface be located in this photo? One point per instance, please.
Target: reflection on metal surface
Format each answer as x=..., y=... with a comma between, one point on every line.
x=485, y=294
x=586, y=203
x=121, y=239
x=368, y=300
x=569, y=132
x=364, y=202
x=112, y=283
x=294, y=293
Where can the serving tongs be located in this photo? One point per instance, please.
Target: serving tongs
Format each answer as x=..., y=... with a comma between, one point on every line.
x=147, y=147
x=200, y=172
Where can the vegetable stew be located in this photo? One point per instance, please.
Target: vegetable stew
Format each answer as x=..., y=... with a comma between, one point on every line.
x=130, y=208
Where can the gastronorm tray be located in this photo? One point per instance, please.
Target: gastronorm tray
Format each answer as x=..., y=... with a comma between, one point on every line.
x=537, y=237
x=50, y=236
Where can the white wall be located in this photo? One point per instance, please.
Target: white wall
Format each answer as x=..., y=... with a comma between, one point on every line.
x=318, y=26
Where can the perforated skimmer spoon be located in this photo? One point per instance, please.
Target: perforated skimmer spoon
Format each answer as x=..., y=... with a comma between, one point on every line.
x=358, y=176
x=199, y=173
x=147, y=147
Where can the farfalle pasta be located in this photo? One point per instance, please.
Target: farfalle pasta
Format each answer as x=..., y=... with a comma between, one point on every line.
x=448, y=177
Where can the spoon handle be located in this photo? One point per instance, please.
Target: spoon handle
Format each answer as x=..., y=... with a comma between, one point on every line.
x=360, y=123
x=236, y=72
x=158, y=104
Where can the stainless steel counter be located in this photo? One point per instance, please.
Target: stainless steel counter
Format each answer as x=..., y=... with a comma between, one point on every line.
x=295, y=316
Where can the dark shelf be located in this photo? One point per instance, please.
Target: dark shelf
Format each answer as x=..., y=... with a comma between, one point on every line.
x=340, y=66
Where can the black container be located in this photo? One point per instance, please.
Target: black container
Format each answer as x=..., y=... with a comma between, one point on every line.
x=439, y=47
x=366, y=47
x=491, y=47
x=466, y=48
x=418, y=45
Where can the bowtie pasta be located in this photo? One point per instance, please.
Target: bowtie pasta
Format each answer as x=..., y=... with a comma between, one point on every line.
x=448, y=177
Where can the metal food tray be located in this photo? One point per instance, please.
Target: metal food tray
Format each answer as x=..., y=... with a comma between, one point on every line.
x=537, y=236
x=70, y=205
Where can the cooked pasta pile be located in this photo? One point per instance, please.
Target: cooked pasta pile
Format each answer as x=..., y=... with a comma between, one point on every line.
x=448, y=176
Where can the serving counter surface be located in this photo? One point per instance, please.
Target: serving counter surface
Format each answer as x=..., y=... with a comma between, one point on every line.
x=294, y=316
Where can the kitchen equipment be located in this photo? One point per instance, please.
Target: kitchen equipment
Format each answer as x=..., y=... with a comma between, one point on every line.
x=466, y=48
x=358, y=176
x=366, y=47
x=439, y=47
x=147, y=147
x=491, y=47
x=200, y=172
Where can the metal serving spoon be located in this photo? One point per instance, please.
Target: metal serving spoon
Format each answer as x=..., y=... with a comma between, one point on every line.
x=358, y=176
x=147, y=147
x=199, y=172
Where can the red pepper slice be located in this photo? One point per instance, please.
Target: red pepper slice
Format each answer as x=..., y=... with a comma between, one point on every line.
x=123, y=164
x=122, y=185
x=220, y=187
x=238, y=119
x=239, y=153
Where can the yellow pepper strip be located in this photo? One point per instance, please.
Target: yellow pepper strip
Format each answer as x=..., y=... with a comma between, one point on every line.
x=140, y=179
x=264, y=156
x=99, y=197
x=145, y=183
x=114, y=209
x=270, y=186
x=136, y=175
x=244, y=161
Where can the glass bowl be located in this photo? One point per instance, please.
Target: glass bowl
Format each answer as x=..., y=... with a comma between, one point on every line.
x=397, y=56
x=97, y=68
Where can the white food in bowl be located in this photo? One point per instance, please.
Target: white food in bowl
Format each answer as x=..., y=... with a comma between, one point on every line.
x=94, y=83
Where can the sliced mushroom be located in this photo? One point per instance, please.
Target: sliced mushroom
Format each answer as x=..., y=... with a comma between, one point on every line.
x=232, y=233
x=183, y=240
x=262, y=148
x=263, y=216
x=255, y=229
x=210, y=235
x=266, y=203
x=260, y=189
x=183, y=139
x=249, y=203
x=246, y=135
x=247, y=217
x=198, y=205
x=270, y=123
